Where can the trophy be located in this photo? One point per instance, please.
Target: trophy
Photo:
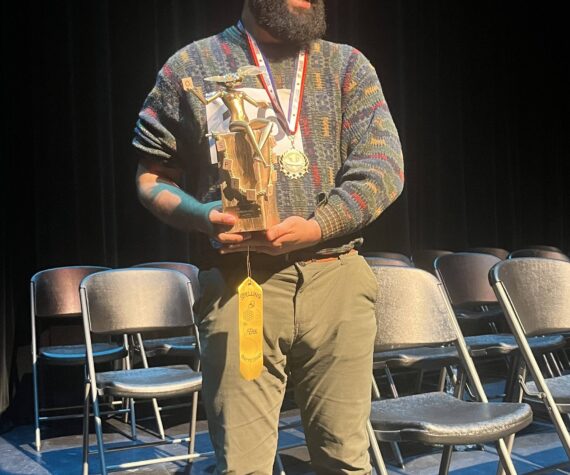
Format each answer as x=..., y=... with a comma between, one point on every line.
x=245, y=155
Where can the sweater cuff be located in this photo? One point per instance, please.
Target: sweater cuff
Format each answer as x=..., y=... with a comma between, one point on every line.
x=203, y=216
x=331, y=219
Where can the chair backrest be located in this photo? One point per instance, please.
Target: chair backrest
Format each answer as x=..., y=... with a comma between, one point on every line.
x=388, y=255
x=425, y=258
x=542, y=253
x=411, y=309
x=465, y=277
x=538, y=290
x=189, y=270
x=384, y=261
x=136, y=300
x=494, y=251
x=543, y=246
x=55, y=292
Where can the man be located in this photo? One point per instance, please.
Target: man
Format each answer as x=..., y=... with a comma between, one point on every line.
x=319, y=294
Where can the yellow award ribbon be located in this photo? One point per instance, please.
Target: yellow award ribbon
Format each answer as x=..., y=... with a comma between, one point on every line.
x=250, y=310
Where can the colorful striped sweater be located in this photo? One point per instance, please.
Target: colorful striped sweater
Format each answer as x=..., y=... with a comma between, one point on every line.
x=356, y=166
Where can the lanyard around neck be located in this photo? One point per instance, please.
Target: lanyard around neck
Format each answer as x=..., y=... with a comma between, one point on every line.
x=289, y=121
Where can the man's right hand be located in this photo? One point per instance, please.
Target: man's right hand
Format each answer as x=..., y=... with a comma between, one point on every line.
x=223, y=222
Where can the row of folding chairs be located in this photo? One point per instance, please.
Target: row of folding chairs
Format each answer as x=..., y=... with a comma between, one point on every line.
x=475, y=291
x=411, y=307
x=114, y=314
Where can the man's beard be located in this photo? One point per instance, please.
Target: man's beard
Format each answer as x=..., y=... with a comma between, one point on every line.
x=298, y=28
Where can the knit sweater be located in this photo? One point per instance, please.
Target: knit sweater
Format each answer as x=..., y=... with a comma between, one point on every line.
x=355, y=157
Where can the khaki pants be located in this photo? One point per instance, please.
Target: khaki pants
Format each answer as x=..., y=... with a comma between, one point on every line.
x=319, y=330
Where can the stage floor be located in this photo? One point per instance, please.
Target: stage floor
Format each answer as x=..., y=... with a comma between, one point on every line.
x=535, y=447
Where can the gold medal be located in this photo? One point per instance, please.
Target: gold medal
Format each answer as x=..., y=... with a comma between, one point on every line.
x=294, y=163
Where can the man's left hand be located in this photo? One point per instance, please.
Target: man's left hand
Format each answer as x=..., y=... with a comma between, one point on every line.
x=291, y=234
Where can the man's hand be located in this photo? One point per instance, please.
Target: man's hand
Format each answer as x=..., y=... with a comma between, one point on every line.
x=290, y=235
x=223, y=222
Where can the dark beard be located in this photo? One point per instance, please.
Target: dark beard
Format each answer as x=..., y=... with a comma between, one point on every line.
x=296, y=29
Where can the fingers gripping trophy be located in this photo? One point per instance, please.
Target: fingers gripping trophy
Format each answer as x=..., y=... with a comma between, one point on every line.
x=245, y=155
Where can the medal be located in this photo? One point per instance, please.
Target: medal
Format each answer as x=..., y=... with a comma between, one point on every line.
x=293, y=163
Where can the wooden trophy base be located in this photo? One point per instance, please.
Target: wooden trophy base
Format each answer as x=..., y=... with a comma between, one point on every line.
x=247, y=185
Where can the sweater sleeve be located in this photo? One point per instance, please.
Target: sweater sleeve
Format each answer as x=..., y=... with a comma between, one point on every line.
x=162, y=133
x=371, y=176
x=161, y=122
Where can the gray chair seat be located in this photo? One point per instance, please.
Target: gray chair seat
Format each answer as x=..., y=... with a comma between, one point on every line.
x=426, y=357
x=504, y=344
x=167, y=381
x=75, y=354
x=173, y=346
x=491, y=315
x=560, y=389
x=439, y=418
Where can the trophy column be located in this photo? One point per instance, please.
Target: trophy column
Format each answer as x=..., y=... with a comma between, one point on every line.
x=247, y=185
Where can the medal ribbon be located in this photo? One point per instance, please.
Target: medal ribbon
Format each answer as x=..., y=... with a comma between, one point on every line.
x=290, y=122
x=250, y=321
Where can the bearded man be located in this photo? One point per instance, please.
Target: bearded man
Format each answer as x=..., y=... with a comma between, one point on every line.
x=319, y=294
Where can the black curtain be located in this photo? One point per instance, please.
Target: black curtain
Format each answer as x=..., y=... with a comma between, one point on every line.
x=477, y=91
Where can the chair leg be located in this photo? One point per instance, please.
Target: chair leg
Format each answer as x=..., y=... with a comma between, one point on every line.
x=99, y=432
x=516, y=396
x=133, y=419
x=37, y=433
x=278, y=466
x=505, y=458
x=86, y=428
x=419, y=381
x=547, y=366
x=442, y=379
x=555, y=364
x=156, y=409
x=377, y=459
x=445, y=462
x=394, y=391
x=192, y=443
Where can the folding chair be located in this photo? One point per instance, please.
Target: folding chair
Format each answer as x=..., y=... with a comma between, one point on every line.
x=465, y=279
x=132, y=301
x=54, y=297
x=174, y=345
x=494, y=251
x=388, y=255
x=542, y=253
x=425, y=258
x=412, y=310
x=535, y=295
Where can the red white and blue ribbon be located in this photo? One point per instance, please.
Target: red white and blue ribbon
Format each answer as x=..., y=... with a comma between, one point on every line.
x=289, y=121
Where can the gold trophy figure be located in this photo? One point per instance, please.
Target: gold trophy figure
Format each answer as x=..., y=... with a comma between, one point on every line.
x=245, y=154
x=234, y=100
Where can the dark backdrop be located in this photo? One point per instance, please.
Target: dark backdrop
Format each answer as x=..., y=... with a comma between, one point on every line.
x=478, y=91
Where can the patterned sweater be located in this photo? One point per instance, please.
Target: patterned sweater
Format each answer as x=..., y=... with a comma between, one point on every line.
x=356, y=166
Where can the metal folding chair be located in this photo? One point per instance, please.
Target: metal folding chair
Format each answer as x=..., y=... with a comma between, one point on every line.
x=412, y=310
x=132, y=301
x=535, y=296
x=54, y=298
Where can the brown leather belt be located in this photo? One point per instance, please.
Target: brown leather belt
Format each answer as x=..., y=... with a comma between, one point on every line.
x=275, y=263
x=327, y=258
